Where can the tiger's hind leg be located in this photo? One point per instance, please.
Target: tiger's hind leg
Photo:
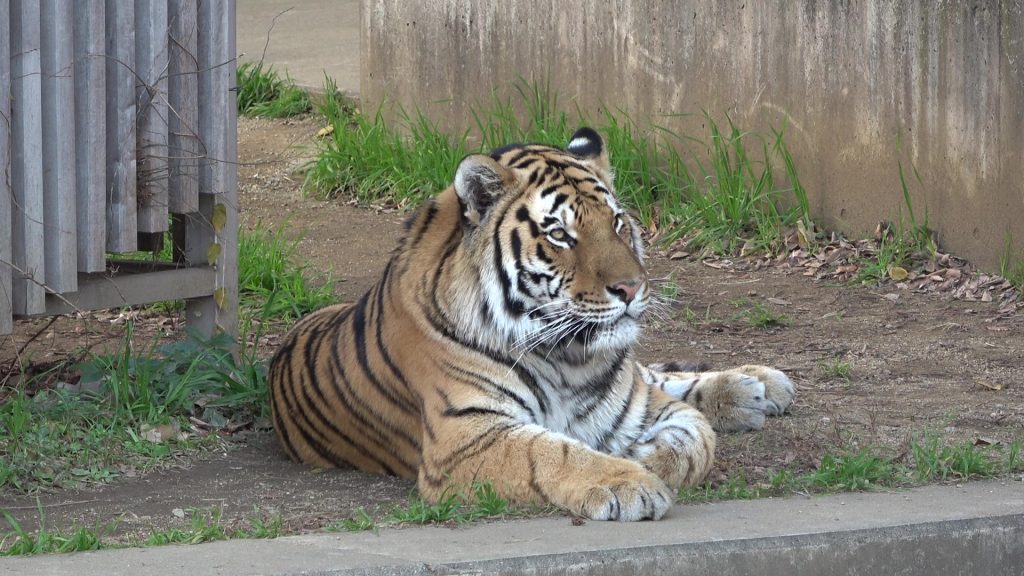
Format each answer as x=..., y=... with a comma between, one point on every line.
x=734, y=400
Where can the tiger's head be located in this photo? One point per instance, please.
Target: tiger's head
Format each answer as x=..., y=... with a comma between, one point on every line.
x=560, y=261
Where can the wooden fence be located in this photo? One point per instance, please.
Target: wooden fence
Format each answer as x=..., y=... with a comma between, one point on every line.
x=117, y=131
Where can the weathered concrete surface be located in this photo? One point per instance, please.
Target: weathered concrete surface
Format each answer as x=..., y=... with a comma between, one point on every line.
x=939, y=85
x=973, y=529
x=308, y=39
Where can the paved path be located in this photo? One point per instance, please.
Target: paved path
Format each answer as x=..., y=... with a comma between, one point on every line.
x=974, y=529
x=308, y=38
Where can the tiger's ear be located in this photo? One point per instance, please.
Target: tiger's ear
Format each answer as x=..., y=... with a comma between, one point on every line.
x=586, y=143
x=479, y=182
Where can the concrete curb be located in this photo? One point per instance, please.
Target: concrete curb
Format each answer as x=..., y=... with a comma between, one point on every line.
x=977, y=528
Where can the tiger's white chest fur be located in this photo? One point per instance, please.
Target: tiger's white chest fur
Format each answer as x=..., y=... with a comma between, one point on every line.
x=596, y=403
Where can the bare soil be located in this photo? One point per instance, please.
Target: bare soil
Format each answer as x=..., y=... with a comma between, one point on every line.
x=919, y=363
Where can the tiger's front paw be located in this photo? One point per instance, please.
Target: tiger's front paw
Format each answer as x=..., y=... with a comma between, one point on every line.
x=739, y=399
x=779, y=390
x=627, y=497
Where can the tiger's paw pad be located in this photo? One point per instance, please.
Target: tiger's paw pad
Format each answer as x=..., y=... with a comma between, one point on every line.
x=779, y=390
x=642, y=497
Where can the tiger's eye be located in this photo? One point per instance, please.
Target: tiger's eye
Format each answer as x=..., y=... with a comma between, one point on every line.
x=558, y=235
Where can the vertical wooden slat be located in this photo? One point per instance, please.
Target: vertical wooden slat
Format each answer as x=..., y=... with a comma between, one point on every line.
x=217, y=221
x=6, y=303
x=120, y=137
x=216, y=78
x=183, y=95
x=90, y=135
x=58, y=120
x=151, y=101
x=26, y=159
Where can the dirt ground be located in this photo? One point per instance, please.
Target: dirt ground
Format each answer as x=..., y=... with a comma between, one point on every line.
x=919, y=363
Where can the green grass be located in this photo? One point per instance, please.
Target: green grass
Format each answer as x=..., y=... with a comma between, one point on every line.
x=1010, y=268
x=723, y=199
x=262, y=92
x=835, y=369
x=758, y=315
x=360, y=521
x=207, y=526
x=272, y=280
x=901, y=244
x=19, y=542
x=929, y=460
x=51, y=437
x=480, y=500
x=204, y=526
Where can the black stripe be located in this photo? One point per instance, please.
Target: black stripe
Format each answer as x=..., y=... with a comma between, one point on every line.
x=454, y=412
x=359, y=321
x=559, y=200
x=358, y=408
x=549, y=191
x=486, y=385
x=513, y=306
x=619, y=418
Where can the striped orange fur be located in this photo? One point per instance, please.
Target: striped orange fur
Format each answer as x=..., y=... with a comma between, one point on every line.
x=498, y=346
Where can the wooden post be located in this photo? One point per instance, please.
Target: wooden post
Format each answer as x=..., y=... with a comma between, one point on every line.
x=121, y=186
x=211, y=236
x=58, y=121
x=27, y=160
x=6, y=237
x=183, y=96
x=90, y=135
x=151, y=67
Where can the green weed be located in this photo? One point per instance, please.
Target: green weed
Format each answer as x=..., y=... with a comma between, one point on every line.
x=835, y=369
x=262, y=92
x=482, y=500
x=758, y=315
x=934, y=460
x=273, y=282
x=854, y=471
x=901, y=243
x=20, y=543
x=360, y=521
x=1010, y=269
x=722, y=202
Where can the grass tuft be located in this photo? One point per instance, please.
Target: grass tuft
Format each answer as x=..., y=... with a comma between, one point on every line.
x=758, y=315
x=273, y=281
x=726, y=199
x=835, y=369
x=262, y=92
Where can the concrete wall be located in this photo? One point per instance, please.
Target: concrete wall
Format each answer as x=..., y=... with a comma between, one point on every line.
x=863, y=84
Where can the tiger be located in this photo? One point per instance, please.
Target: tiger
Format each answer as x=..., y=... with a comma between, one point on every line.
x=498, y=347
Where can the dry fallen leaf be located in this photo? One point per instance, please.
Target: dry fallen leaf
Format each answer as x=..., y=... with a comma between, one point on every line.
x=898, y=273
